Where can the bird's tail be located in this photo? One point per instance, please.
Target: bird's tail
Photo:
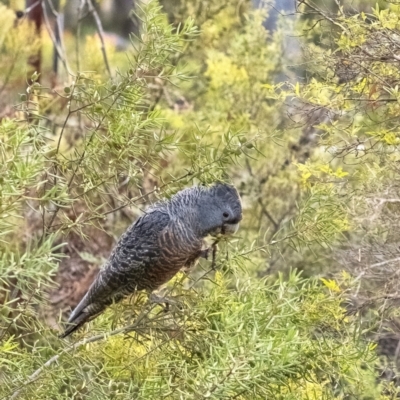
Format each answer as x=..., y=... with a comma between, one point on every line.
x=76, y=324
x=85, y=311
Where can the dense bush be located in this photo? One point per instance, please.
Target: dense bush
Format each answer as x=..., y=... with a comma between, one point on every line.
x=195, y=99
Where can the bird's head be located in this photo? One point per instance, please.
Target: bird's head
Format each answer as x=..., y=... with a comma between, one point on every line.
x=220, y=210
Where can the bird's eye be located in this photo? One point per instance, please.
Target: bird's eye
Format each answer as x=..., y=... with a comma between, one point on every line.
x=225, y=215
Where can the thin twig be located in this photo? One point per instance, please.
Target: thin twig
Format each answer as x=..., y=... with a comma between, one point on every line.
x=30, y=8
x=339, y=7
x=58, y=49
x=379, y=264
x=60, y=29
x=267, y=214
x=78, y=34
x=214, y=248
x=322, y=14
x=100, y=32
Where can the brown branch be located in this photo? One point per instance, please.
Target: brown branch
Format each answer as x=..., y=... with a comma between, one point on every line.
x=100, y=32
x=59, y=50
x=59, y=33
x=267, y=214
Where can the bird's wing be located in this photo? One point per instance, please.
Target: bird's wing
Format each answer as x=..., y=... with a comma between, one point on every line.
x=121, y=275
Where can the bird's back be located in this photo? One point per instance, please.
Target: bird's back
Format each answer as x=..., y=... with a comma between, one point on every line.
x=146, y=256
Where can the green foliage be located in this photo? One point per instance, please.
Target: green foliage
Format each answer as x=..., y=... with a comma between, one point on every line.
x=191, y=102
x=355, y=83
x=242, y=338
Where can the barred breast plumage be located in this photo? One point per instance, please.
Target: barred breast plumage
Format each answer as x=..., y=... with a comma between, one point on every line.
x=167, y=238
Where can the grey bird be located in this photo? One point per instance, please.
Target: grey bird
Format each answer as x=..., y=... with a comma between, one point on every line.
x=168, y=237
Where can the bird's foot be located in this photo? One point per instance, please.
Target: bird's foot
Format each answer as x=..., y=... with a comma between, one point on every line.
x=214, y=254
x=205, y=253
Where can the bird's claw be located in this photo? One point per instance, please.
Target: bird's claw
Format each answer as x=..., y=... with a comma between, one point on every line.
x=205, y=253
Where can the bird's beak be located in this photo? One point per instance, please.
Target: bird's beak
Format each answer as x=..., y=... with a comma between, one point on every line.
x=231, y=229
